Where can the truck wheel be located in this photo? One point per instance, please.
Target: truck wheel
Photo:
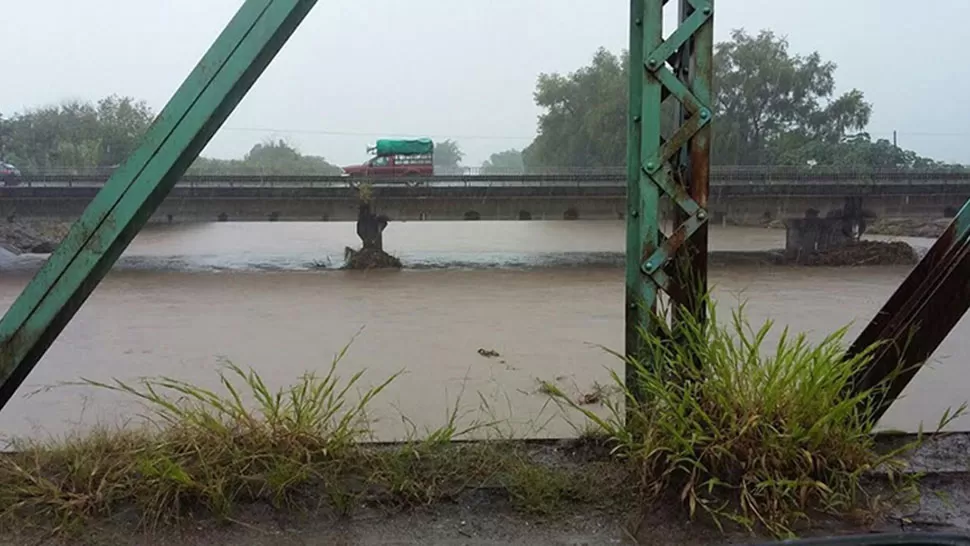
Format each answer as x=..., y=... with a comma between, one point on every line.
x=410, y=180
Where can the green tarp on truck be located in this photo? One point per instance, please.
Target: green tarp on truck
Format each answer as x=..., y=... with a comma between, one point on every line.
x=404, y=147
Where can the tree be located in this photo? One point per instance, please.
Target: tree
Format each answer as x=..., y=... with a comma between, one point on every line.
x=267, y=158
x=509, y=161
x=123, y=122
x=771, y=107
x=76, y=135
x=853, y=151
x=768, y=100
x=447, y=154
x=5, y=137
x=584, y=122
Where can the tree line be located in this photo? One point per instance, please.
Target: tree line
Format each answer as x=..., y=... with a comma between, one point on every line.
x=772, y=107
x=78, y=136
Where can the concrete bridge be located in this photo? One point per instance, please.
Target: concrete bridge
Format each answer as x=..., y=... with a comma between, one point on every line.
x=736, y=196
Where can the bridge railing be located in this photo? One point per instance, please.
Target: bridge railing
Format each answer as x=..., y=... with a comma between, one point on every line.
x=548, y=177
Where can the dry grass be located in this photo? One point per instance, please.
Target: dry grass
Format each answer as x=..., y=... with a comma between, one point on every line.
x=206, y=453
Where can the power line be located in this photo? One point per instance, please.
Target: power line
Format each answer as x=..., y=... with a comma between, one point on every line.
x=922, y=134
x=366, y=134
x=501, y=137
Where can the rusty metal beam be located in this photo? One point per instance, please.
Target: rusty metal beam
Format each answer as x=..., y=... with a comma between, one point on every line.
x=918, y=316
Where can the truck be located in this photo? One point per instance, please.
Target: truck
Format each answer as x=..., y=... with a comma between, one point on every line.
x=397, y=159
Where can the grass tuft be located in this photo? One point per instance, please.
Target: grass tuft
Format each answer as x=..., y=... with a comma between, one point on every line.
x=759, y=434
x=205, y=453
x=202, y=449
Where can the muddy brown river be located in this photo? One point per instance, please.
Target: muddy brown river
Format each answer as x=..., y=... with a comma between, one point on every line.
x=544, y=295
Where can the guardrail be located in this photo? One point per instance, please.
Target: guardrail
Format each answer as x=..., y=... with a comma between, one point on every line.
x=744, y=170
x=718, y=177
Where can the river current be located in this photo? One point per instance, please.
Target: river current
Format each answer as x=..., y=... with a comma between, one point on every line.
x=544, y=295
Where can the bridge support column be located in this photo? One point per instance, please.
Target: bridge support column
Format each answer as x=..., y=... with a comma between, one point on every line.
x=813, y=234
x=854, y=216
x=370, y=228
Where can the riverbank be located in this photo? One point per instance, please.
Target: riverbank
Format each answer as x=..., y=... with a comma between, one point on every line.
x=493, y=515
x=295, y=468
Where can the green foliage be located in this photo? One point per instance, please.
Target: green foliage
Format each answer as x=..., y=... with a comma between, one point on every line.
x=210, y=449
x=742, y=429
x=447, y=154
x=765, y=94
x=852, y=151
x=584, y=123
x=771, y=107
x=81, y=136
x=6, y=137
x=509, y=161
x=269, y=158
x=75, y=135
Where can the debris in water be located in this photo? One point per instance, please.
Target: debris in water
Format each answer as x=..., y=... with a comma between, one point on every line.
x=597, y=395
x=370, y=258
x=488, y=353
x=909, y=227
x=863, y=253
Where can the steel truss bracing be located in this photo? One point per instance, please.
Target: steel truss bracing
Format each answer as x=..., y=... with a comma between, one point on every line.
x=674, y=165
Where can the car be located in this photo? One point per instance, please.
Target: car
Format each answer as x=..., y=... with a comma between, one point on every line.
x=9, y=175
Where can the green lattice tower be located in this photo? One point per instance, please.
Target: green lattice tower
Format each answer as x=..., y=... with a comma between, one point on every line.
x=675, y=165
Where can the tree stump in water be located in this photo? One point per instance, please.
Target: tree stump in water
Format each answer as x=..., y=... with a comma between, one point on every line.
x=370, y=229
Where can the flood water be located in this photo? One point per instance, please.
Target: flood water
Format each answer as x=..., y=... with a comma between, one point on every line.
x=545, y=295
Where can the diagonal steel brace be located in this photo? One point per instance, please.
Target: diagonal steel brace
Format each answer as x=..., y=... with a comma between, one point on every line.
x=917, y=317
x=183, y=128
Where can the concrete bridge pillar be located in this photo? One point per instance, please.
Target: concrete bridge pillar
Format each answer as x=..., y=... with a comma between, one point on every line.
x=814, y=234
x=808, y=235
x=370, y=227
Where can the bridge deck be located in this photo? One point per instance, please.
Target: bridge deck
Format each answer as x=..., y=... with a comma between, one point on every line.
x=733, y=198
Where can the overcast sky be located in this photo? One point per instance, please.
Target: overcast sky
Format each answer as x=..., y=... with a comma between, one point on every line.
x=361, y=69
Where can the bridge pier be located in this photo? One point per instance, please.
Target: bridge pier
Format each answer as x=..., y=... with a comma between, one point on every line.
x=814, y=234
x=370, y=228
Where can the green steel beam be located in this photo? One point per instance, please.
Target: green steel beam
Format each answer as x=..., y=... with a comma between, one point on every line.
x=183, y=128
x=678, y=68
x=638, y=292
